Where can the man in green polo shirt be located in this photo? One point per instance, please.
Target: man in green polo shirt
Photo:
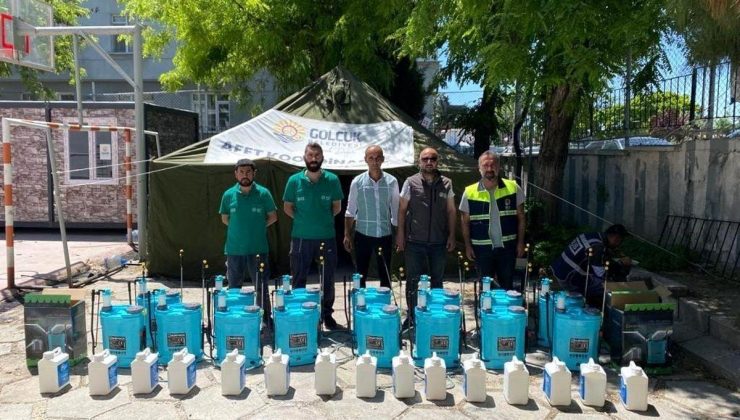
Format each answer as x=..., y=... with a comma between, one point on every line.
x=247, y=209
x=312, y=198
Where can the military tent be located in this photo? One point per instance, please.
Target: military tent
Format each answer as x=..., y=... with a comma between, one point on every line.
x=185, y=191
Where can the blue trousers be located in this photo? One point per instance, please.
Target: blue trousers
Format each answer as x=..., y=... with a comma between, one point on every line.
x=421, y=259
x=239, y=267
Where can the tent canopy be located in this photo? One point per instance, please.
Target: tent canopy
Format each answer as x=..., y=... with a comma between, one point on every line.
x=185, y=192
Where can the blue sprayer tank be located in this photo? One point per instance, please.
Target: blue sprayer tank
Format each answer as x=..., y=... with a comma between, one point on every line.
x=443, y=297
x=371, y=297
x=171, y=297
x=576, y=335
x=546, y=310
x=296, y=330
x=504, y=298
x=124, y=329
x=502, y=335
x=437, y=330
x=377, y=330
x=235, y=297
x=178, y=326
x=238, y=328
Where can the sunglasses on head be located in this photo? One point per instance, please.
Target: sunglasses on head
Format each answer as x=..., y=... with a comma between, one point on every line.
x=429, y=159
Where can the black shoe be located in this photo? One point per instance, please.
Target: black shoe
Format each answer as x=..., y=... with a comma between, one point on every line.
x=406, y=324
x=330, y=323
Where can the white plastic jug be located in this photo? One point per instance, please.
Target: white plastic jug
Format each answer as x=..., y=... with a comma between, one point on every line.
x=474, y=380
x=366, y=380
x=556, y=384
x=516, y=382
x=53, y=371
x=633, y=389
x=592, y=384
x=144, y=374
x=103, y=373
x=434, y=378
x=277, y=374
x=403, y=376
x=233, y=373
x=325, y=373
x=181, y=372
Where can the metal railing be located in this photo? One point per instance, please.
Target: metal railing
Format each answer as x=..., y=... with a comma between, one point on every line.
x=716, y=243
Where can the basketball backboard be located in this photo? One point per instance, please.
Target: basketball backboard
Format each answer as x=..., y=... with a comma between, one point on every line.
x=18, y=43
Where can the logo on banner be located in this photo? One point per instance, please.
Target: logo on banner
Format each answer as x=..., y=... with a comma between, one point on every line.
x=289, y=131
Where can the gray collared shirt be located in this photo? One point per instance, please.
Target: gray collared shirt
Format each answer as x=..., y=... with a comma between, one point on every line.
x=373, y=204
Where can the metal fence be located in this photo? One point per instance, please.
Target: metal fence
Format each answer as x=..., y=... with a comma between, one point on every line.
x=716, y=243
x=705, y=100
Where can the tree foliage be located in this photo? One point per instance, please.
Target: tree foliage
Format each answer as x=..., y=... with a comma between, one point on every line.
x=557, y=48
x=710, y=29
x=65, y=12
x=224, y=43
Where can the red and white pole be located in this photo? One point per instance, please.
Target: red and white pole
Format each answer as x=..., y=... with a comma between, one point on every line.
x=8, y=190
x=129, y=188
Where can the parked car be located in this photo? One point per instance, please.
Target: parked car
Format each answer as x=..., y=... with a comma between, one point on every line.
x=618, y=143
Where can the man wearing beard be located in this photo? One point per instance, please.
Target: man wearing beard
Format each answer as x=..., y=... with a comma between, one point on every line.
x=426, y=225
x=247, y=209
x=492, y=216
x=312, y=198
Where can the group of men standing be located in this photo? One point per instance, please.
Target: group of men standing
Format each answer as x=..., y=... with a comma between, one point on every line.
x=422, y=214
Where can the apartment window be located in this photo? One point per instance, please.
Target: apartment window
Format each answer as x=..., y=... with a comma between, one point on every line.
x=214, y=111
x=118, y=46
x=66, y=97
x=91, y=156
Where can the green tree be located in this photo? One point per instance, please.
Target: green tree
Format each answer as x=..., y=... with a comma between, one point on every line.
x=558, y=49
x=224, y=43
x=654, y=110
x=67, y=13
x=710, y=29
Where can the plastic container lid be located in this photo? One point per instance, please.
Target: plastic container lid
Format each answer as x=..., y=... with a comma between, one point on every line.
x=309, y=305
x=134, y=309
x=173, y=293
x=513, y=293
x=383, y=290
x=312, y=289
x=592, y=312
x=390, y=309
x=247, y=290
x=191, y=306
x=452, y=308
x=516, y=309
x=251, y=308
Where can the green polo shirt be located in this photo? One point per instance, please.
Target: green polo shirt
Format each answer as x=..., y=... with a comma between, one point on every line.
x=247, y=230
x=313, y=217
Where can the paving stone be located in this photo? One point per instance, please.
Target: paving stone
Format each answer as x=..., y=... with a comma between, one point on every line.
x=143, y=410
x=496, y=407
x=723, y=327
x=5, y=348
x=16, y=411
x=79, y=403
x=703, y=397
x=426, y=413
x=27, y=390
x=209, y=403
x=283, y=411
x=345, y=405
x=692, y=313
x=15, y=332
x=716, y=356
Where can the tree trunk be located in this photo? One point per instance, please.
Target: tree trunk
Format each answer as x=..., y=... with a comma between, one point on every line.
x=560, y=107
x=486, y=122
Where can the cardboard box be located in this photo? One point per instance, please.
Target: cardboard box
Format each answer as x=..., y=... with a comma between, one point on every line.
x=620, y=294
x=55, y=318
x=640, y=332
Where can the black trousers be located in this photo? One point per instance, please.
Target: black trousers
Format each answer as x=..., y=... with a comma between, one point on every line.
x=366, y=247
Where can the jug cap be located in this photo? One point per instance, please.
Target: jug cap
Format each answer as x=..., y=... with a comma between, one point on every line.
x=191, y=306
x=324, y=355
x=383, y=290
x=518, y=364
x=141, y=355
x=172, y=292
x=452, y=308
x=313, y=289
x=231, y=356
x=99, y=357
x=367, y=358
x=451, y=293
x=247, y=290
x=251, y=309
x=277, y=356
x=513, y=293
x=634, y=368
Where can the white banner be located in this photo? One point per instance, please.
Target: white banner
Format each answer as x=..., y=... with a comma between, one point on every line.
x=277, y=135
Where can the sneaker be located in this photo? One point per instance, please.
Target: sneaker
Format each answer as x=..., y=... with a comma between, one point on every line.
x=330, y=323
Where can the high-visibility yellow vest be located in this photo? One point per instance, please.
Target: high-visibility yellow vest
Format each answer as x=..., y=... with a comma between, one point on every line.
x=480, y=215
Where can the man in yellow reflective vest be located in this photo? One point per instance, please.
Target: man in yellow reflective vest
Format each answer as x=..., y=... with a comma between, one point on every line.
x=492, y=216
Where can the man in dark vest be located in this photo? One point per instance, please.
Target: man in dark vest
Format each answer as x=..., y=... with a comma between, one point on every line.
x=426, y=224
x=492, y=216
x=571, y=267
